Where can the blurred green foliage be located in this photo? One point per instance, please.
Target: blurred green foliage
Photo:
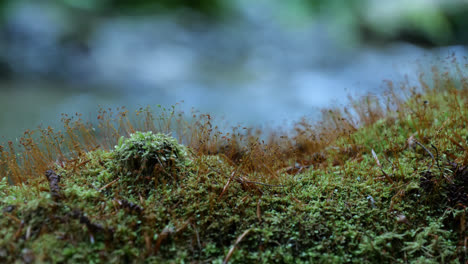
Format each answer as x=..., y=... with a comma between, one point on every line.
x=206, y=7
x=211, y=7
x=424, y=23
x=321, y=5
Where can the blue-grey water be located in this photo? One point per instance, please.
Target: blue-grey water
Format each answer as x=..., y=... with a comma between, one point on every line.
x=253, y=70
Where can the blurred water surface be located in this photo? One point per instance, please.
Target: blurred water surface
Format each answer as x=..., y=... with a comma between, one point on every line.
x=256, y=69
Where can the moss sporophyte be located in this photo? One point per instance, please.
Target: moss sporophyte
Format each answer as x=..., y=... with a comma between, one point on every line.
x=383, y=182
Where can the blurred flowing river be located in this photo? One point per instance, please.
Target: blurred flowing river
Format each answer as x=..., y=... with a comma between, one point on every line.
x=254, y=70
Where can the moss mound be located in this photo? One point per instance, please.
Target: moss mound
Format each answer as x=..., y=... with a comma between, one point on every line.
x=148, y=159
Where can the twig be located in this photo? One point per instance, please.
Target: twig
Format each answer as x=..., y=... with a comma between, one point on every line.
x=437, y=157
x=371, y=200
x=432, y=156
x=259, y=212
x=132, y=207
x=290, y=169
x=438, y=165
x=198, y=237
x=270, y=171
x=165, y=233
x=213, y=169
x=14, y=218
x=233, y=248
x=19, y=231
x=54, y=180
x=75, y=166
x=264, y=184
x=107, y=185
x=380, y=166
x=227, y=183
x=232, y=177
x=93, y=228
x=161, y=237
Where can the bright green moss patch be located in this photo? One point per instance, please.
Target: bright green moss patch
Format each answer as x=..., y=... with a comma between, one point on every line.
x=145, y=160
x=145, y=152
x=392, y=191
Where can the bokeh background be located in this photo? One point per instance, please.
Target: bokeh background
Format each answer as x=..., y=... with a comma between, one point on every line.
x=251, y=62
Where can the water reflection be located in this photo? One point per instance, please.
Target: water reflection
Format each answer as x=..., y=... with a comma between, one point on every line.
x=251, y=70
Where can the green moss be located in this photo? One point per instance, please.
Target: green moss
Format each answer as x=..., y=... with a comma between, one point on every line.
x=148, y=200
x=146, y=154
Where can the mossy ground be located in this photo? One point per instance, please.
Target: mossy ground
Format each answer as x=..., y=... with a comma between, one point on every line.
x=388, y=183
